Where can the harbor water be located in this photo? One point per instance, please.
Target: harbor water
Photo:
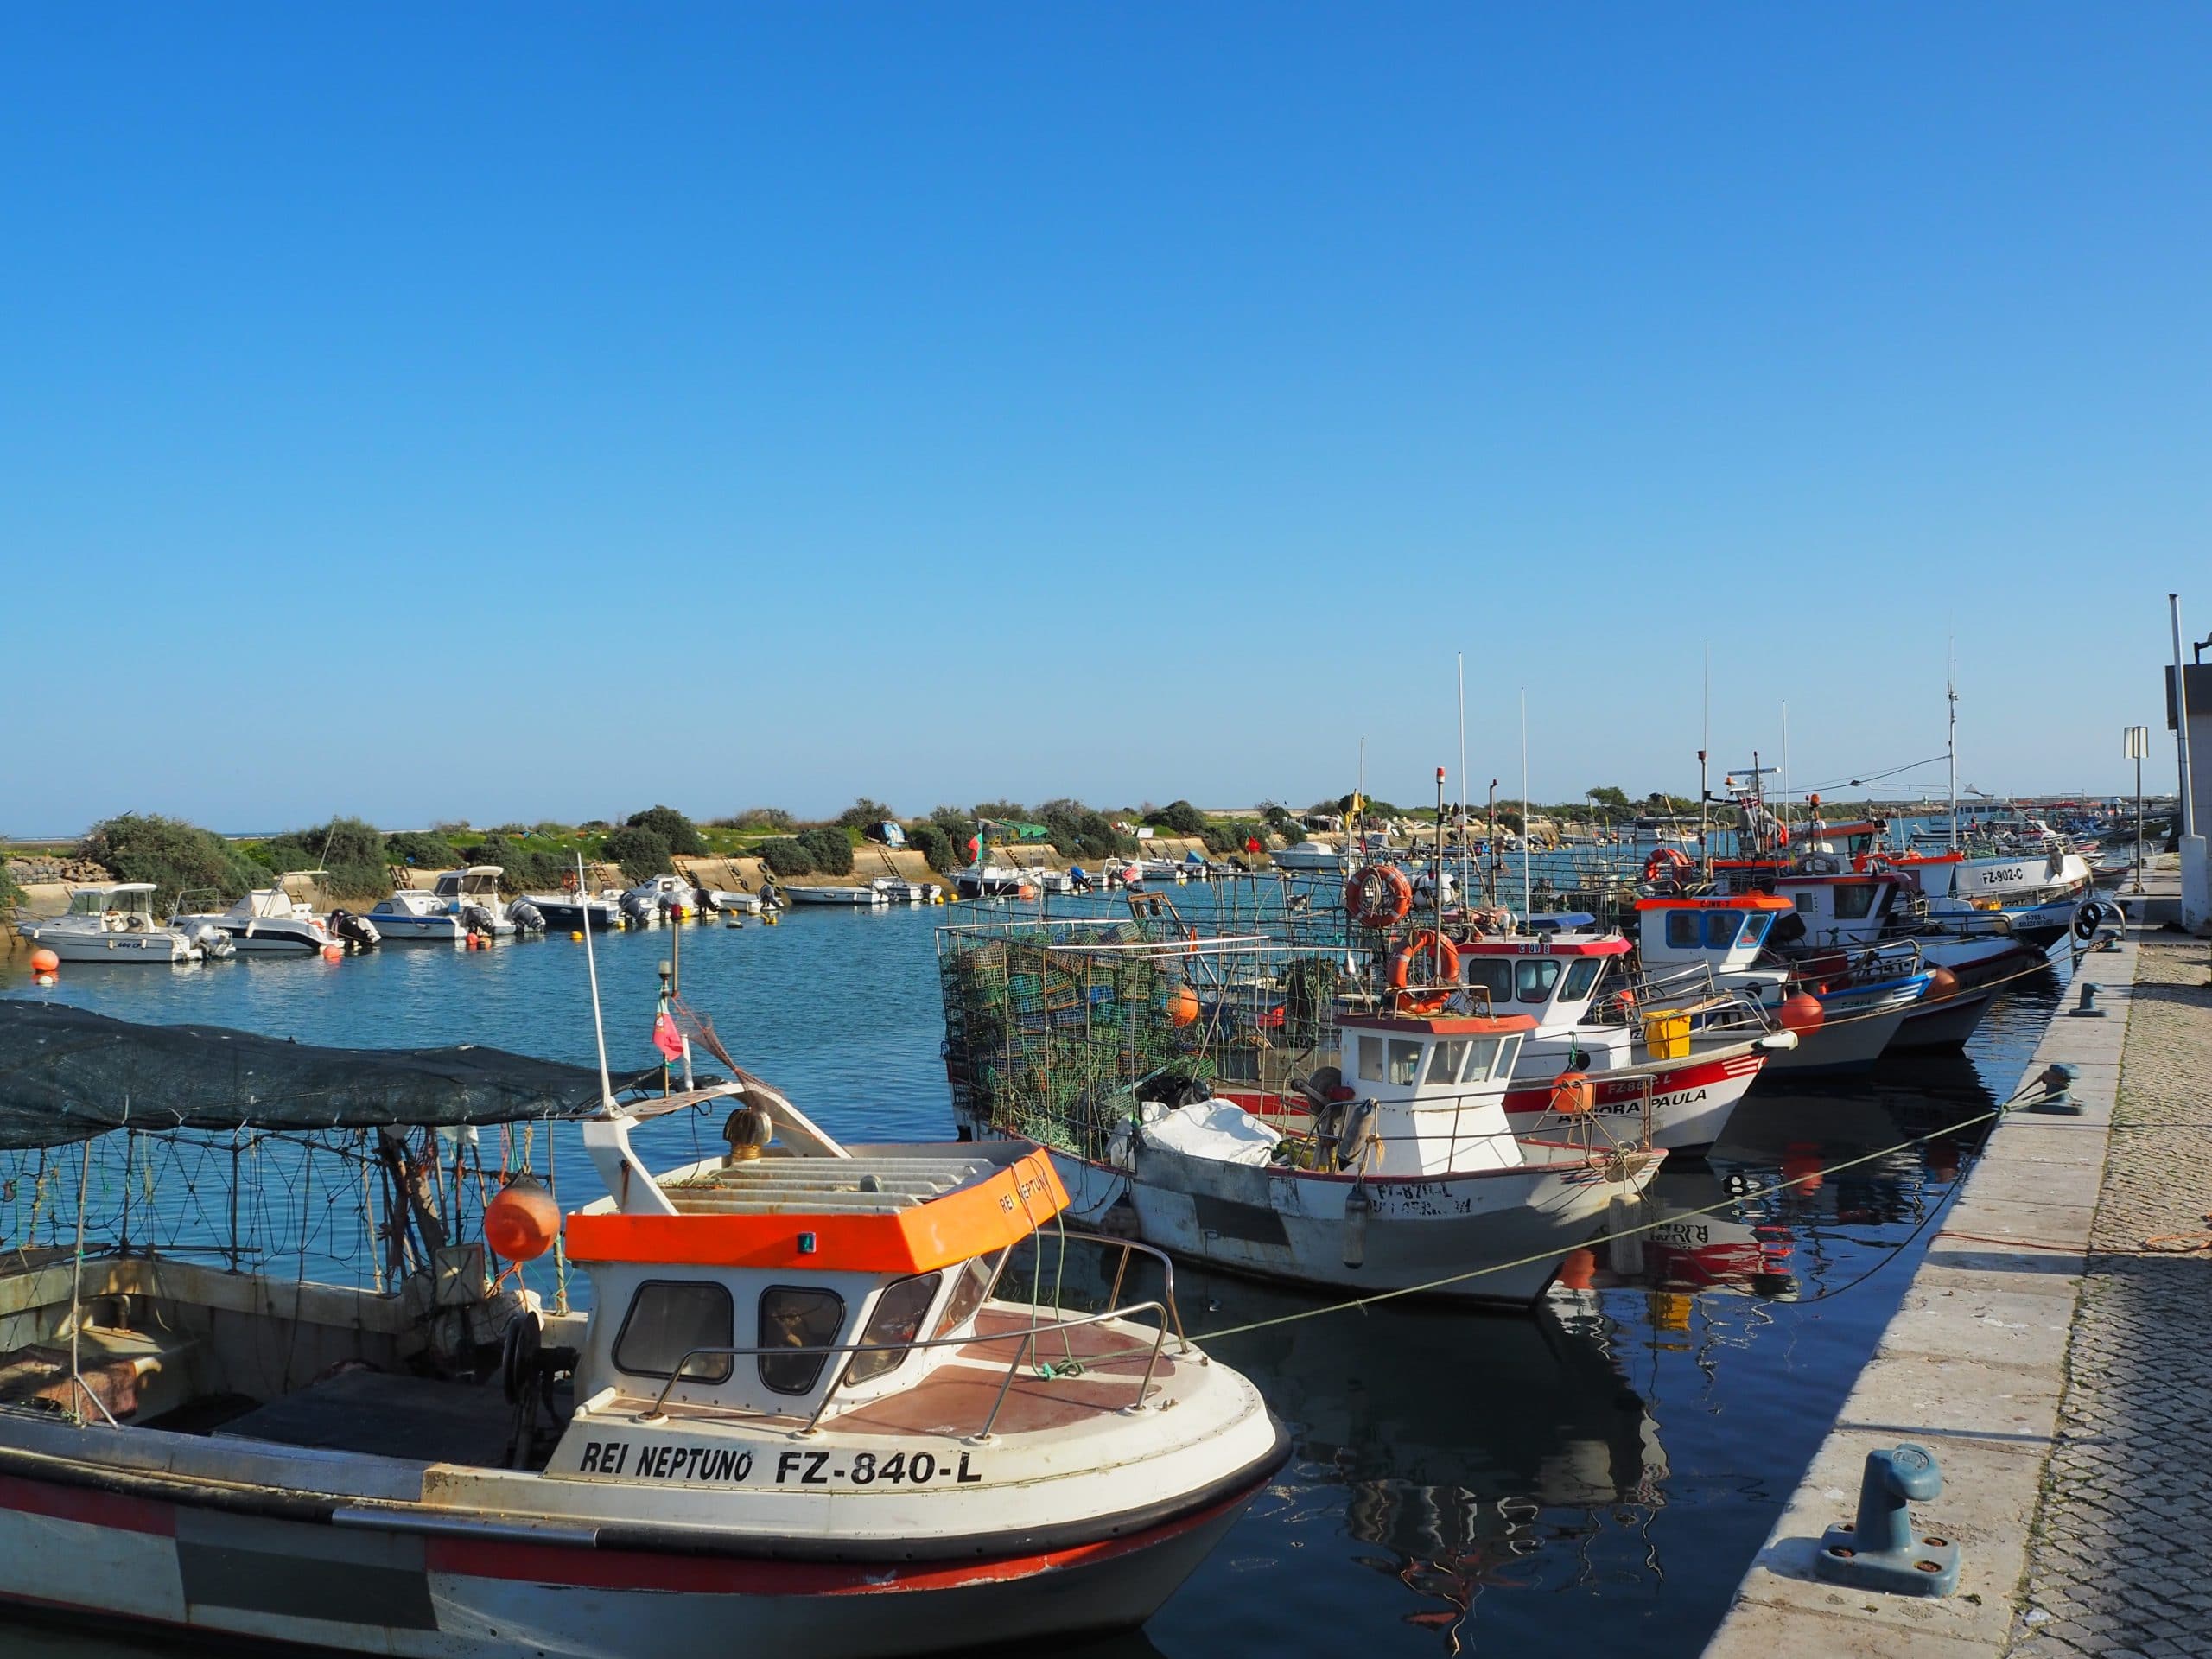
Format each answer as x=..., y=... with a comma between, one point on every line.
x=1594, y=1478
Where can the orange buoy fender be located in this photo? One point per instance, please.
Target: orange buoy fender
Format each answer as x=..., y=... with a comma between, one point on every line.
x=1378, y=895
x=521, y=1219
x=1943, y=986
x=1439, y=960
x=1182, y=1005
x=45, y=961
x=1801, y=1013
x=1572, y=1094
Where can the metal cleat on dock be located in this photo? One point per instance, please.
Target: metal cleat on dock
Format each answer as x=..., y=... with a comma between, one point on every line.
x=2087, y=1008
x=2057, y=1082
x=1881, y=1550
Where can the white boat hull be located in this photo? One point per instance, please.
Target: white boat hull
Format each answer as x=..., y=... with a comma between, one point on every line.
x=1513, y=1225
x=478, y=1590
x=83, y=944
x=444, y=930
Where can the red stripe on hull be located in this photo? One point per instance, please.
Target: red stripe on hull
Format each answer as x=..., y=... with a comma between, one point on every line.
x=88, y=1506
x=604, y=1569
x=1536, y=1098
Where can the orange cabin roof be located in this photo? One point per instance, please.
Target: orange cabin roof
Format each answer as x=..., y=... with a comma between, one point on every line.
x=1002, y=1208
x=1443, y=1024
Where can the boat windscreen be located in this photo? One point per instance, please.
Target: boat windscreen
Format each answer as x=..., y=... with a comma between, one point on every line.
x=67, y=1074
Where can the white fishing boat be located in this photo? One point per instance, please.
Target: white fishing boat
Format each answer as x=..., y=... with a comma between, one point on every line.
x=270, y=920
x=1312, y=857
x=812, y=1408
x=114, y=922
x=571, y=910
x=1403, y=1174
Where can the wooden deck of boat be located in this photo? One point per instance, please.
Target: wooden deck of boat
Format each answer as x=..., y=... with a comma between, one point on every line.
x=378, y=1415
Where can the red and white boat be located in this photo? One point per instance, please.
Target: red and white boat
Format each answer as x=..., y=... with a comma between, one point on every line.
x=812, y=1412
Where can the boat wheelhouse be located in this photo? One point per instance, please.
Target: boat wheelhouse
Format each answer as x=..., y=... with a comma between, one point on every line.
x=1643, y=1063
x=1844, y=1015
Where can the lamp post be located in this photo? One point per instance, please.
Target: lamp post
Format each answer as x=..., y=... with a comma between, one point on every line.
x=2138, y=744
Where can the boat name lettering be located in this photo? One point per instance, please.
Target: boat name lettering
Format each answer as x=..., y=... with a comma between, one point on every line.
x=1024, y=1190
x=712, y=1463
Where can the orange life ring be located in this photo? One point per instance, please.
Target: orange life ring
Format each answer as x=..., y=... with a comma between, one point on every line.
x=1443, y=957
x=1378, y=895
x=1666, y=863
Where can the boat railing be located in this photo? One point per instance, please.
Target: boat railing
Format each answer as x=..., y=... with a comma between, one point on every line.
x=1025, y=1339
x=1693, y=988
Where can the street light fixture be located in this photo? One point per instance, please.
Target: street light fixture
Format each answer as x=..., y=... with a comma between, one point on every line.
x=2138, y=744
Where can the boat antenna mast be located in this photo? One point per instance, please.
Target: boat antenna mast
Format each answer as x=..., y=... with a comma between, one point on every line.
x=1951, y=732
x=598, y=1023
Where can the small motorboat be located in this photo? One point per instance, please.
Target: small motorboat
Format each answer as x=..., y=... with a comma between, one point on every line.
x=817, y=1403
x=271, y=920
x=850, y=897
x=459, y=903
x=569, y=912
x=114, y=922
x=659, y=899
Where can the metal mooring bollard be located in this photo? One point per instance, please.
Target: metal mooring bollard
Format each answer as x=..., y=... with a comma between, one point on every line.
x=1881, y=1551
x=2057, y=1081
x=2087, y=1008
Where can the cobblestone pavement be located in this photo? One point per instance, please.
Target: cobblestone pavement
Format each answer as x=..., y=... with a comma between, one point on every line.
x=2120, y=1561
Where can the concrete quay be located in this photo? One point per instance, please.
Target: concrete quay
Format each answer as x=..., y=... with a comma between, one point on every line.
x=2056, y=1366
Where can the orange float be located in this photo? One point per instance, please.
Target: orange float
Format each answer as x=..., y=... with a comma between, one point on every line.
x=1572, y=1094
x=1801, y=1014
x=45, y=961
x=521, y=1219
x=1182, y=1005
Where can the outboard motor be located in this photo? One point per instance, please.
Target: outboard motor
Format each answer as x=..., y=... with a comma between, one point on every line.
x=702, y=903
x=476, y=918
x=215, y=945
x=636, y=910
x=357, y=931
x=526, y=916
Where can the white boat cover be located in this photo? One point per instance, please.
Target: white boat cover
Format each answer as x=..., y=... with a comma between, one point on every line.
x=1219, y=1130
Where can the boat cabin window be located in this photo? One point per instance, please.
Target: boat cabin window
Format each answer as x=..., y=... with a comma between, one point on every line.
x=1721, y=927
x=1681, y=930
x=1534, y=978
x=1490, y=975
x=1446, y=1059
x=88, y=904
x=670, y=1318
x=1804, y=903
x=969, y=1291
x=897, y=1319
x=791, y=1317
x=1582, y=977
x=1391, y=1060
x=1755, y=928
x=1854, y=901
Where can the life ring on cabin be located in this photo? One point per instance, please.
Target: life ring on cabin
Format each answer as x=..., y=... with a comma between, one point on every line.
x=1378, y=895
x=1442, y=960
x=1666, y=864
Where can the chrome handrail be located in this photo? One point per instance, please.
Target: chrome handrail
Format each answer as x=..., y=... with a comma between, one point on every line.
x=1029, y=1336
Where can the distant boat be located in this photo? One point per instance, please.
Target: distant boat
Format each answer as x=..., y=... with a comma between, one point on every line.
x=270, y=920
x=1321, y=857
x=570, y=912
x=460, y=902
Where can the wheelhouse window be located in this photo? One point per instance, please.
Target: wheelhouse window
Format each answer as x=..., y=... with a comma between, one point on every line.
x=1721, y=927
x=1582, y=977
x=896, y=1321
x=1681, y=930
x=1755, y=928
x=1405, y=1061
x=1446, y=1059
x=1482, y=1057
x=969, y=1292
x=1370, y=1059
x=670, y=1318
x=793, y=1316
x=1854, y=901
x=1492, y=975
x=1534, y=978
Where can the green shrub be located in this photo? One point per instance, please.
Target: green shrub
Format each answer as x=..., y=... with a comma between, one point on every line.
x=351, y=849
x=999, y=811
x=522, y=869
x=176, y=856
x=864, y=814
x=552, y=831
x=930, y=840
x=672, y=827
x=641, y=852
x=758, y=818
x=1079, y=831
x=784, y=856
x=827, y=849
x=1180, y=816
x=10, y=894
x=419, y=850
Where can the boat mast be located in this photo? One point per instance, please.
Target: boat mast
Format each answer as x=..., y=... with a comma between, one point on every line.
x=1524, y=806
x=598, y=1024
x=1782, y=818
x=1951, y=741
x=1465, y=886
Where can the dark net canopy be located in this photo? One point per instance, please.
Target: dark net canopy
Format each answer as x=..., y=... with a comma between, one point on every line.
x=67, y=1075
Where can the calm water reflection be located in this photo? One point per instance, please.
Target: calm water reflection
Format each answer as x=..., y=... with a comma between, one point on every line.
x=1590, y=1478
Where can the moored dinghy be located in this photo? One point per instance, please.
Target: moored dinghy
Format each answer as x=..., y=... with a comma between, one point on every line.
x=808, y=1406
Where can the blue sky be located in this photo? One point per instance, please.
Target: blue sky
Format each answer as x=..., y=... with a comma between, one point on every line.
x=533, y=411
